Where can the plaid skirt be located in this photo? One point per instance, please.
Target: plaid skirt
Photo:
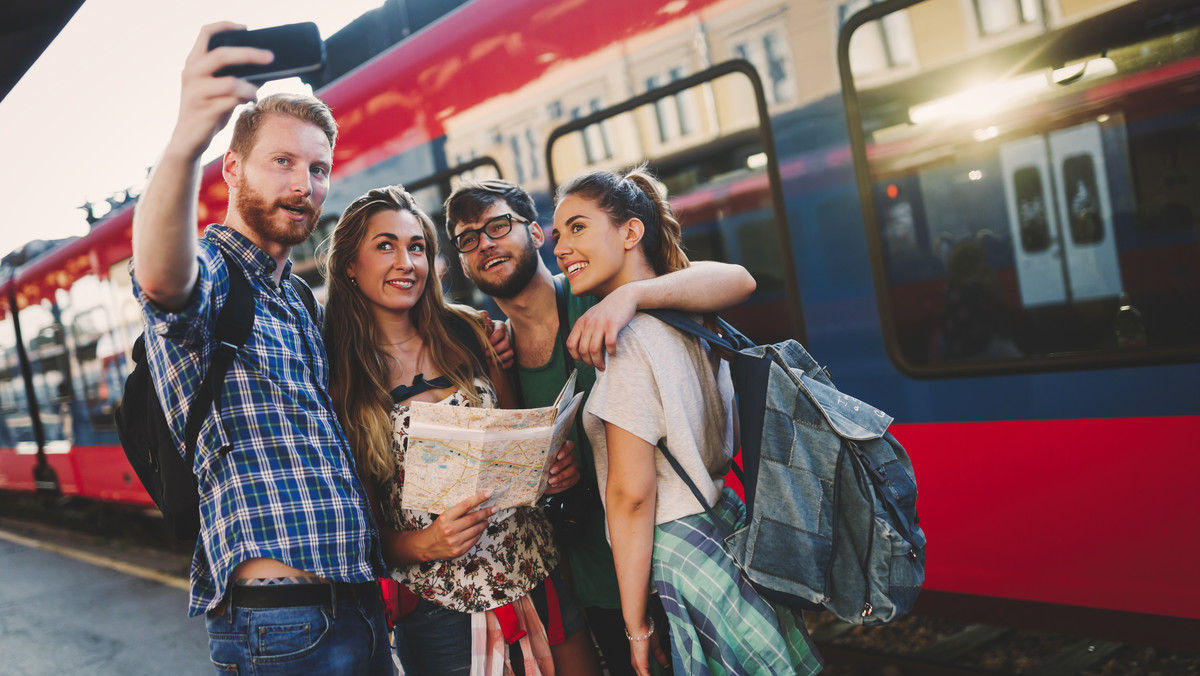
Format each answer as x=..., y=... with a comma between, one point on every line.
x=720, y=626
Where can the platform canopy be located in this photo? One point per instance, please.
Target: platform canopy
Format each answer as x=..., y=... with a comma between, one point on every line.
x=26, y=29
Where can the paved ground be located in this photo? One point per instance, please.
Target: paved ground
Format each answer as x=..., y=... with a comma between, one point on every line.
x=62, y=615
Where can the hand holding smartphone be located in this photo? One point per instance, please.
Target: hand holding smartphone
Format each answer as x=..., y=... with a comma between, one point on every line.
x=297, y=47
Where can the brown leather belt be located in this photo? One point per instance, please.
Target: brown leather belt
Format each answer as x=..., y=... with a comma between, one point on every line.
x=295, y=595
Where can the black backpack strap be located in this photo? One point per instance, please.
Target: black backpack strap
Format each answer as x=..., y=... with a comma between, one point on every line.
x=305, y=292
x=232, y=330
x=732, y=340
x=564, y=330
x=564, y=324
x=662, y=446
x=460, y=329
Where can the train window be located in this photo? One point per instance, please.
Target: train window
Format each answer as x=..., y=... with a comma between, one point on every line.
x=704, y=244
x=758, y=235
x=721, y=177
x=1164, y=163
x=52, y=385
x=1033, y=197
x=99, y=362
x=1083, y=209
x=12, y=416
x=1031, y=210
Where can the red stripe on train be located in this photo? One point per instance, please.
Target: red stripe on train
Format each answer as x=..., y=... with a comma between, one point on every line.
x=1092, y=513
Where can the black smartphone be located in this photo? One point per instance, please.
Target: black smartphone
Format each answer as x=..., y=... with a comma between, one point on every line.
x=297, y=47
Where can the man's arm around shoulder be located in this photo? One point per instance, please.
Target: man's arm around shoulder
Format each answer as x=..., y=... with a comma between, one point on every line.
x=704, y=286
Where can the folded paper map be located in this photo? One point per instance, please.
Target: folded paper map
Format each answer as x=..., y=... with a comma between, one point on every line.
x=455, y=452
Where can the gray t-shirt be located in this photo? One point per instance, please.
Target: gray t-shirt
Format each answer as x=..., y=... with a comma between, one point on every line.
x=661, y=384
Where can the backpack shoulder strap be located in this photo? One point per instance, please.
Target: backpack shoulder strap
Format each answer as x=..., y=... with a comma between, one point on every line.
x=731, y=340
x=461, y=331
x=564, y=330
x=232, y=330
x=662, y=446
x=564, y=324
x=305, y=292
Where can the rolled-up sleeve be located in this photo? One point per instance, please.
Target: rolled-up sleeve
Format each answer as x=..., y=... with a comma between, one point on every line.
x=191, y=326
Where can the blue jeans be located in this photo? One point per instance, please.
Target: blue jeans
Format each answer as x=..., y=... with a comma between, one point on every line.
x=348, y=636
x=433, y=640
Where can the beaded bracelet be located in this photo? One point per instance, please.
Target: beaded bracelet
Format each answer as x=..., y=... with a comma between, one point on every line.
x=643, y=637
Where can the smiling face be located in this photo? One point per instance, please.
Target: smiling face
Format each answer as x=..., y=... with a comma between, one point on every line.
x=278, y=187
x=391, y=268
x=501, y=268
x=592, y=251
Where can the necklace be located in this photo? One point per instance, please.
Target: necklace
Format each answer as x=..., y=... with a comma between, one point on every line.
x=414, y=335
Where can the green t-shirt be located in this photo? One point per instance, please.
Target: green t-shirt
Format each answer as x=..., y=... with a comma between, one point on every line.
x=594, y=578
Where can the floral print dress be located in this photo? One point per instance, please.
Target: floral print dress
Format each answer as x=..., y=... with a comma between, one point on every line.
x=515, y=553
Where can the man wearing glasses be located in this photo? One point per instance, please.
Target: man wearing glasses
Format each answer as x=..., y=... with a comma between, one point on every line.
x=493, y=227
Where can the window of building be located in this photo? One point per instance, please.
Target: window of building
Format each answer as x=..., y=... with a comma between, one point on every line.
x=880, y=45
x=772, y=58
x=676, y=115
x=597, y=145
x=998, y=16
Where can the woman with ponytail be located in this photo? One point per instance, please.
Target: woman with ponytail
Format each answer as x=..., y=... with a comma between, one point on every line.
x=663, y=385
x=392, y=340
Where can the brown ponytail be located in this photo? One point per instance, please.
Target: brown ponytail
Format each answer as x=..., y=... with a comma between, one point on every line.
x=635, y=195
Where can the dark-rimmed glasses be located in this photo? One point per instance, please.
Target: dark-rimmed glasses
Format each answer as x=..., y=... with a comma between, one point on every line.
x=468, y=240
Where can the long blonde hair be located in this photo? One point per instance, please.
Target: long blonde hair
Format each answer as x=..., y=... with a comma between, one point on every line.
x=360, y=371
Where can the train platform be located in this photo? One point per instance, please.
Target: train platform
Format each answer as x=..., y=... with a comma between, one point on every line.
x=70, y=606
x=88, y=594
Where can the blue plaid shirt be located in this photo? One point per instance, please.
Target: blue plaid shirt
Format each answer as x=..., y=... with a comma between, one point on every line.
x=276, y=476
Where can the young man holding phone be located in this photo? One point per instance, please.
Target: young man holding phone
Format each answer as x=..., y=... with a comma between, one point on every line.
x=493, y=225
x=286, y=565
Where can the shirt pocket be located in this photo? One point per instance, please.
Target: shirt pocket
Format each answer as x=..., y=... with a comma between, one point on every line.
x=213, y=444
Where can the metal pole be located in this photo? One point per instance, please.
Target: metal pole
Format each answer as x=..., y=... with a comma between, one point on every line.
x=45, y=479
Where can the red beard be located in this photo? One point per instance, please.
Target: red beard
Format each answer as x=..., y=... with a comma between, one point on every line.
x=265, y=219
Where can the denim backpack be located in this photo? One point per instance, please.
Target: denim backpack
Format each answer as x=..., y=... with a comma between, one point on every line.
x=830, y=494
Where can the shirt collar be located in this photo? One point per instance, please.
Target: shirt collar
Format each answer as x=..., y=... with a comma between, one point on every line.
x=253, y=259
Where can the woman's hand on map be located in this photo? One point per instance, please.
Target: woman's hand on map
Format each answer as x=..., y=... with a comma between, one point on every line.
x=457, y=529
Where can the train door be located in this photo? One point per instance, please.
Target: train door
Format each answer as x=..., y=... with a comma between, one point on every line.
x=1033, y=221
x=1060, y=217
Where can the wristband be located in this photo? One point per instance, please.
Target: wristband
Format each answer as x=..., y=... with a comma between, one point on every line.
x=643, y=637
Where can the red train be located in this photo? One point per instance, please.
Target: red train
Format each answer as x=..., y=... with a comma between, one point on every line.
x=981, y=216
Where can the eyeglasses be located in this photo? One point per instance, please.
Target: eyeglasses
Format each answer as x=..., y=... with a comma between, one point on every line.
x=468, y=240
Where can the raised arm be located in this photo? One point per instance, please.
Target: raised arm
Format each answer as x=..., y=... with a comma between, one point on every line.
x=705, y=286
x=164, y=222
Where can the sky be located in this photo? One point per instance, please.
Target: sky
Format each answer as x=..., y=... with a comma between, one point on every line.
x=94, y=112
